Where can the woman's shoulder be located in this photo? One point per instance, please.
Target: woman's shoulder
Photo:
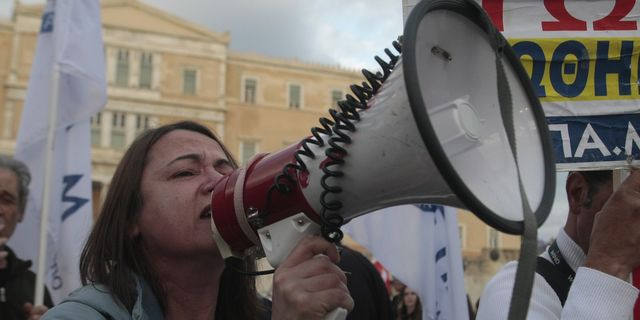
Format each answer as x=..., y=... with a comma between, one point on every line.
x=89, y=302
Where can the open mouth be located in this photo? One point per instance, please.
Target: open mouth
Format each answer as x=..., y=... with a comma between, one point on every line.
x=206, y=213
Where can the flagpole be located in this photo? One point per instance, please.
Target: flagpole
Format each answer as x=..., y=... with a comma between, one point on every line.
x=46, y=193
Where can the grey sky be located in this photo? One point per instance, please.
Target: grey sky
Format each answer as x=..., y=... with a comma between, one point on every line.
x=332, y=32
x=559, y=211
x=348, y=33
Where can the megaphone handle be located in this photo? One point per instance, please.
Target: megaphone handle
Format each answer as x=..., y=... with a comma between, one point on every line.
x=279, y=238
x=337, y=314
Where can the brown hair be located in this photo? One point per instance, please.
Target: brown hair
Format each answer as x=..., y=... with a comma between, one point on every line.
x=401, y=309
x=110, y=255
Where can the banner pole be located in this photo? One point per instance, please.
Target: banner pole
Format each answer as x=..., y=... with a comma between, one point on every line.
x=46, y=192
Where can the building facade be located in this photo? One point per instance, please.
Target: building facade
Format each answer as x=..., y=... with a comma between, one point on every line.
x=162, y=69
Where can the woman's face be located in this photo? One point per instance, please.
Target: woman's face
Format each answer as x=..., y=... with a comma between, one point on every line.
x=182, y=168
x=410, y=299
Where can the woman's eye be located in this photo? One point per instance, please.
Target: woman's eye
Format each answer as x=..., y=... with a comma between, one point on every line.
x=186, y=173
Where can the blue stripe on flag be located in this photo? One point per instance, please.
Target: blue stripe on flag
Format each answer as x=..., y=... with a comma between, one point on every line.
x=47, y=22
x=76, y=202
x=441, y=253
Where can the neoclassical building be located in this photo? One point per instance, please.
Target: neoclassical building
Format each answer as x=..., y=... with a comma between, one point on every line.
x=161, y=68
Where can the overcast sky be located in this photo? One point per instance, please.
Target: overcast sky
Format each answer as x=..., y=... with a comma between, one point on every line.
x=333, y=32
x=348, y=33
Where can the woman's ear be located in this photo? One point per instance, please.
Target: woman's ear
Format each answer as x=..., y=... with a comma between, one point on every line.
x=577, y=192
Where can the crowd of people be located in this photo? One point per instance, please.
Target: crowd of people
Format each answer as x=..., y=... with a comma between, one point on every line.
x=137, y=263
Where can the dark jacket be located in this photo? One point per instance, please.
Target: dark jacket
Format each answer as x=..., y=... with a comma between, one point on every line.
x=17, y=287
x=366, y=287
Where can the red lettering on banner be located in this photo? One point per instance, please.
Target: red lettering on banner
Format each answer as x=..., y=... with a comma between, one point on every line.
x=614, y=20
x=565, y=21
x=494, y=9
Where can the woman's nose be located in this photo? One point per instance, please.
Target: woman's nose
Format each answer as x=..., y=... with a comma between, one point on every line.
x=213, y=177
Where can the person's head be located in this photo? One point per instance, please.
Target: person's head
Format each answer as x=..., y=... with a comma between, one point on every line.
x=409, y=298
x=14, y=191
x=157, y=209
x=397, y=285
x=409, y=304
x=587, y=192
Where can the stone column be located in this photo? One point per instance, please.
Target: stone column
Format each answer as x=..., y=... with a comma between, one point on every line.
x=105, y=129
x=9, y=115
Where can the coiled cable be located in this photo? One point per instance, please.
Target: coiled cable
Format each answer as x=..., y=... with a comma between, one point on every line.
x=337, y=131
x=336, y=152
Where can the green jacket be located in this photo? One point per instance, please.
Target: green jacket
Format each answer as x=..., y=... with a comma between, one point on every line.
x=95, y=302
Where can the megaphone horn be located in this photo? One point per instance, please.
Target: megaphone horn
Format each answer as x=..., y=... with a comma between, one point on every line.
x=451, y=120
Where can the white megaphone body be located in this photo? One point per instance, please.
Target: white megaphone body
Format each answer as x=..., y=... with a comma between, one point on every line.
x=452, y=120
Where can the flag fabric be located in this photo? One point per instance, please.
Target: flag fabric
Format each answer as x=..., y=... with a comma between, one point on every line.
x=68, y=75
x=407, y=6
x=419, y=245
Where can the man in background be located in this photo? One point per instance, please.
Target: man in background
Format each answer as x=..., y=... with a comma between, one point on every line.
x=583, y=274
x=17, y=282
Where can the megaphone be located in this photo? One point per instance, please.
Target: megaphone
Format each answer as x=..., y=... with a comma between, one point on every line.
x=451, y=119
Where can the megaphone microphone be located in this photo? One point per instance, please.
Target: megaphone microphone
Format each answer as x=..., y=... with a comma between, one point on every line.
x=451, y=119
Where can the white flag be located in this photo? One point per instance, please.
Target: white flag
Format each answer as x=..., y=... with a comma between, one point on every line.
x=407, y=6
x=420, y=246
x=67, y=75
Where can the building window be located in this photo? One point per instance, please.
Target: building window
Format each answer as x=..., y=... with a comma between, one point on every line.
x=122, y=68
x=250, y=89
x=247, y=150
x=146, y=70
x=142, y=124
x=189, y=82
x=336, y=95
x=96, y=129
x=295, y=96
x=117, y=130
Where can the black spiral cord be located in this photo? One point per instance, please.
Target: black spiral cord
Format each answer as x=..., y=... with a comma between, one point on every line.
x=336, y=129
x=343, y=121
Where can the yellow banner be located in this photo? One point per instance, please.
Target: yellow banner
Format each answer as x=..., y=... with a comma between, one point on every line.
x=581, y=69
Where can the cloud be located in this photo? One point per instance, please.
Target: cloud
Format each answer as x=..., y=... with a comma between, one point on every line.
x=6, y=8
x=333, y=32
